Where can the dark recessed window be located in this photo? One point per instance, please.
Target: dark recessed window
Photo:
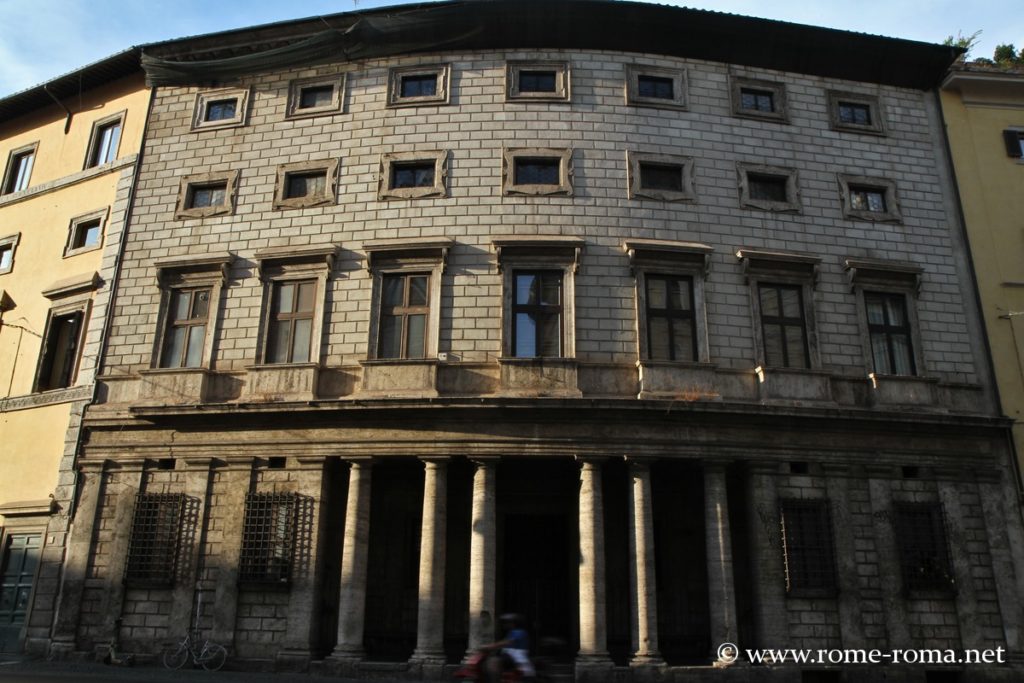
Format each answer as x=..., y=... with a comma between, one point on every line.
x=867, y=199
x=783, y=327
x=305, y=184
x=671, y=334
x=201, y=196
x=403, y=316
x=221, y=110
x=1014, y=140
x=767, y=187
x=105, y=140
x=419, y=85
x=856, y=113
x=268, y=538
x=6, y=257
x=415, y=174
x=60, y=351
x=86, y=234
x=153, y=541
x=537, y=81
x=757, y=100
x=924, y=555
x=807, y=546
x=537, y=171
x=656, y=87
x=19, y=171
x=889, y=330
x=316, y=96
x=537, y=314
x=668, y=177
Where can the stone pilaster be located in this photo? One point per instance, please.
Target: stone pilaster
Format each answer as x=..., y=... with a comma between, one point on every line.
x=433, y=536
x=718, y=541
x=851, y=623
x=130, y=479
x=593, y=614
x=197, y=488
x=893, y=603
x=768, y=587
x=642, y=569
x=482, y=555
x=971, y=635
x=354, y=561
x=236, y=480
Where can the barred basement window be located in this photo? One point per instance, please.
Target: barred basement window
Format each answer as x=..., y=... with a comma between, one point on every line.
x=268, y=538
x=924, y=554
x=153, y=545
x=807, y=547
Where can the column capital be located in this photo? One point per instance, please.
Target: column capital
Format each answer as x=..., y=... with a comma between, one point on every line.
x=198, y=463
x=359, y=461
x=762, y=467
x=434, y=461
x=92, y=466
x=639, y=462
x=715, y=466
x=485, y=461
x=130, y=464
x=591, y=462
x=309, y=462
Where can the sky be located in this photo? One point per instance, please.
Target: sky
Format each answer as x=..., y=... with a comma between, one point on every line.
x=42, y=39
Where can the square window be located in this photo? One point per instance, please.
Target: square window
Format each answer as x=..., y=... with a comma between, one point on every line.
x=537, y=171
x=857, y=113
x=412, y=175
x=671, y=330
x=290, y=329
x=404, y=313
x=654, y=86
x=58, y=364
x=204, y=196
x=305, y=184
x=268, y=538
x=869, y=199
x=758, y=99
x=315, y=96
x=207, y=194
x=544, y=81
x=924, y=553
x=153, y=541
x=8, y=245
x=890, y=334
x=104, y=140
x=217, y=109
x=768, y=188
x=85, y=233
x=537, y=314
x=418, y=85
x=807, y=547
x=783, y=329
x=187, y=319
x=19, y=169
x=660, y=176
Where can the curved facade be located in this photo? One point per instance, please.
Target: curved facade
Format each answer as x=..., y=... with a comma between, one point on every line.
x=659, y=350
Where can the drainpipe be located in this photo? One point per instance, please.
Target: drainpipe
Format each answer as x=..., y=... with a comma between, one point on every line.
x=67, y=120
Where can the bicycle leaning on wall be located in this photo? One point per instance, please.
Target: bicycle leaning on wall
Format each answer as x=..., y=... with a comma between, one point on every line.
x=205, y=653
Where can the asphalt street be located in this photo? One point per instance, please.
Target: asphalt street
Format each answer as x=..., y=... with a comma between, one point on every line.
x=41, y=671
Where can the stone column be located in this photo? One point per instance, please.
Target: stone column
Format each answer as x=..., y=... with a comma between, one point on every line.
x=354, y=559
x=721, y=587
x=76, y=564
x=593, y=615
x=232, y=483
x=642, y=568
x=433, y=530
x=768, y=586
x=482, y=555
x=893, y=603
x=197, y=485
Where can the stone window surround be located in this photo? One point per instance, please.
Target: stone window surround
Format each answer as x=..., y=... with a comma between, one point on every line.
x=562, y=91
x=292, y=264
x=188, y=272
x=328, y=166
x=12, y=242
x=663, y=257
x=635, y=190
x=402, y=256
x=90, y=149
x=442, y=96
x=892, y=277
x=874, y=104
x=782, y=268
x=888, y=189
x=565, y=171
x=792, y=203
x=190, y=182
x=780, y=112
x=679, y=86
x=77, y=221
x=71, y=295
x=539, y=252
x=337, y=81
x=203, y=98
x=439, y=189
x=32, y=147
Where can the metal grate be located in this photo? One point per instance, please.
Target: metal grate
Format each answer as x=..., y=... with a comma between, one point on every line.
x=924, y=554
x=807, y=546
x=268, y=538
x=153, y=545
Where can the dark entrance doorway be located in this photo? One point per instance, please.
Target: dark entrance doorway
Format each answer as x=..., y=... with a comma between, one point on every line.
x=19, y=560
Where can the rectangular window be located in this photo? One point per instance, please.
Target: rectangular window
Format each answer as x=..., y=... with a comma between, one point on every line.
x=544, y=81
x=655, y=87
x=207, y=194
x=153, y=543
x=1014, y=140
x=268, y=538
x=221, y=110
x=924, y=555
x=105, y=138
x=782, y=326
x=537, y=314
x=867, y=199
x=418, y=85
x=299, y=185
x=671, y=332
x=807, y=546
x=291, y=322
x=412, y=174
x=769, y=188
x=19, y=170
x=856, y=113
x=203, y=196
x=890, y=333
x=86, y=234
x=315, y=97
x=537, y=171
x=306, y=184
x=6, y=257
x=404, y=309
x=187, y=319
x=757, y=100
x=531, y=81
x=60, y=351
x=667, y=177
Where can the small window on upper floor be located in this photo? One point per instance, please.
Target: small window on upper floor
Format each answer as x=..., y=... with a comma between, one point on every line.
x=207, y=194
x=216, y=109
x=537, y=171
x=855, y=112
x=1014, y=140
x=418, y=85
x=85, y=233
x=769, y=188
x=19, y=168
x=305, y=184
x=412, y=175
x=869, y=199
x=759, y=99
x=8, y=245
x=545, y=81
x=315, y=96
x=104, y=140
x=58, y=364
x=660, y=176
x=653, y=86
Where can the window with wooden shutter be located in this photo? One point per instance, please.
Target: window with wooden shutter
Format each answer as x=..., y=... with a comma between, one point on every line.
x=1014, y=140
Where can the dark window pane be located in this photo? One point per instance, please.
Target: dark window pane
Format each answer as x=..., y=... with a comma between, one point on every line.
x=657, y=292
x=419, y=85
x=924, y=555
x=412, y=175
x=807, y=545
x=666, y=177
x=537, y=171
x=174, y=343
x=757, y=100
x=550, y=336
x=682, y=339
x=394, y=290
x=867, y=199
x=86, y=235
x=857, y=114
x=526, y=336
x=656, y=87
x=305, y=185
x=418, y=290
x=660, y=339
x=551, y=289
x=316, y=96
x=767, y=187
x=300, y=342
x=390, y=344
x=208, y=195
x=196, y=337
x=221, y=110
x=526, y=291
x=537, y=81
x=416, y=336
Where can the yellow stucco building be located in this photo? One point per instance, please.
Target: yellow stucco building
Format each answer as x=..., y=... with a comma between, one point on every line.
x=69, y=148
x=984, y=111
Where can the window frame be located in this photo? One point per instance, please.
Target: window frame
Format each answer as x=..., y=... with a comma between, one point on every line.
x=72, y=356
x=887, y=330
x=442, y=73
x=514, y=70
x=190, y=273
x=242, y=97
x=330, y=169
x=95, y=137
x=10, y=179
x=634, y=177
x=338, y=83
x=1013, y=139
x=937, y=584
x=253, y=559
x=790, y=175
x=849, y=183
x=679, y=100
x=782, y=322
x=76, y=223
x=168, y=552
x=12, y=242
x=565, y=171
x=822, y=518
x=278, y=319
x=189, y=183
x=780, y=108
x=439, y=188
x=872, y=102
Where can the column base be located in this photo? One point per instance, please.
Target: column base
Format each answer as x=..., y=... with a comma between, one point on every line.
x=343, y=663
x=645, y=661
x=61, y=650
x=296, y=661
x=428, y=657
x=593, y=667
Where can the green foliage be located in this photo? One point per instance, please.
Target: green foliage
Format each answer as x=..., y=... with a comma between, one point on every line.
x=1007, y=55
x=966, y=42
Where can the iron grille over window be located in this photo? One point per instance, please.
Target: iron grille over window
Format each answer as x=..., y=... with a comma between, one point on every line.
x=153, y=546
x=807, y=547
x=924, y=555
x=268, y=538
